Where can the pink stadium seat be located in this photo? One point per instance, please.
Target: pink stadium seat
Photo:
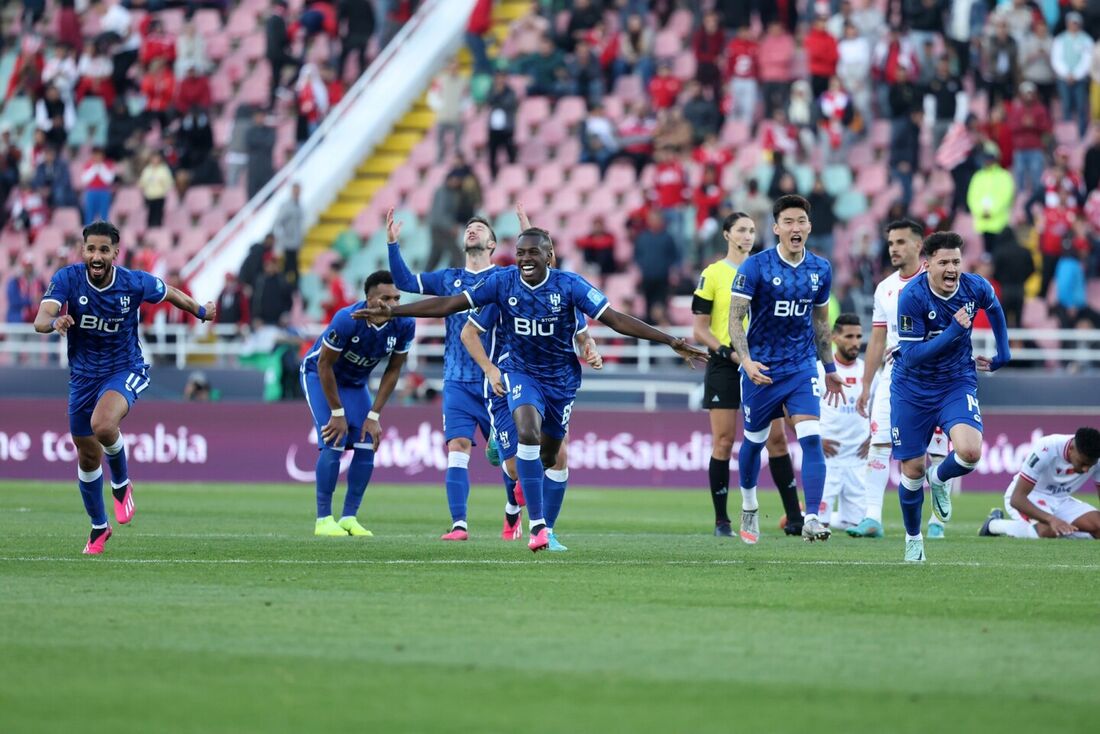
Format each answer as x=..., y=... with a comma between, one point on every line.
x=176, y=220
x=880, y=134
x=550, y=177
x=532, y=111
x=534, y=155
x=191, y=242
x=221, y=91
x=629, y=86
x=620, y=177
x=735, y=133
x=511, y=178
x=681, y=23
x=252, y=47
x=159, y=239
x=242, y=22
x=552, y=133
x=198, y=200
x=496, y=201
x=667, y=45
x=570, y=110
x=128, y=200
x=404, y=178
x=67, y=219
x=872, y=180
x=567, y=201
x=209, y=25
x=424, y=154
x=585, y=177
x=860, y=156
x=232, y=200
x=602, y=202
x=684, y=65
x=614, y=107
x=1065, y=133
x=420, y=200
x=212, y=221
x=50, y=237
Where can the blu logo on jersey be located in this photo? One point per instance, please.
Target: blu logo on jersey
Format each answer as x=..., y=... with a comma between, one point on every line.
x=790, y=308
x=533, y=327
x=94, y=323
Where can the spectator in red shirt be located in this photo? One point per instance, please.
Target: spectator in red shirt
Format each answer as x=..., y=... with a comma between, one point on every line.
x=335, y=293
x=1060, y=177
x=711, y=154
x=706, y=198
x=193, y=91
x=708, y=43
x=313, y=102
x=779, y=135
x=821, y=56
x=635, y=135
x=157, y=45
x=159, y=87
x=664, y=88
x=26, y=75
x=1056, y=225
x=333, y=85
x=997, y=130
x=599, y=247
x=1029, y=122
x=776, y=59
x=743, y=70
x=670, y=185
x=480, y=23
x=98, y=180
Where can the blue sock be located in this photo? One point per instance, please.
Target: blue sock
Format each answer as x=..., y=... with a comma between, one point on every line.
x=813, y=472
x=952, y=466
x=553, y=494
x=911, y=494
x=748, y=462
x=510, y=489
x=362, y=466
x=116, y=459
x=91, y=491
x=458, y=484
x=328, y=471
x=529, y=468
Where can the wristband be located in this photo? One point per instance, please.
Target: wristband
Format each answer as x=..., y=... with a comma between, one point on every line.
x=372, y=416
x=53, y=324
x=202, y=313
x=830, y=368
x=338, y=413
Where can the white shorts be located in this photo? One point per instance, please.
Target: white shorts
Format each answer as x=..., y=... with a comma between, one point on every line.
x=1066, y=508
x=844, y=496
x=880, y=422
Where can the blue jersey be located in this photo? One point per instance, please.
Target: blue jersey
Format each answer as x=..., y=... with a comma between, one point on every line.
x=104, y=337
x=924, y=315
x=361, y=344
x=782, y=298
x=487, y=318
x=538, y=322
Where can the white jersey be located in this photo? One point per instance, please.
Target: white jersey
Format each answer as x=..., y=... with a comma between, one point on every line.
x=885, y=313
x=1048, y=468
x=844, y=424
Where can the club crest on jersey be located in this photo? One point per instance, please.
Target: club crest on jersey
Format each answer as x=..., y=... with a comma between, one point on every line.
x=124, y=301
x=391, y=342
x=969, y=308
x=814, y=278
x=555, y=302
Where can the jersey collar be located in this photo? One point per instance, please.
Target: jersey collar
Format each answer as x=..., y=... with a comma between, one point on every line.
x=948, y=297
x=537, y=285
x=479, y=272
x=903, y=279
x=1065, y=450
x=111, y=282
x=805, y=254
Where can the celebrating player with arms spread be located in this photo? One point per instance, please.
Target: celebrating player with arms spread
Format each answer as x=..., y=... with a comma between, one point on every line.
x=538, y=307
x=935, y=380
x=785, y=292
x=106, y=368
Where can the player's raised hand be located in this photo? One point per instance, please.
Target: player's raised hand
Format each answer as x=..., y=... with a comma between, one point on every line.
x=63, y=323
x=592, y=355
x=862, y=401
x=521, y=214
x=496, y=382
x=1061, y=527
x=211, y=310
x=335, y=430
x=693, y=355
x=963, y=318
x=755, y=372
x=393, y=227
x=830, y=447
x=381, y=311
x=374, y=430
x=834, y=390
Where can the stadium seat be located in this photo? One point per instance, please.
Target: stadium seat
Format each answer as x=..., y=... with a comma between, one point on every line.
x=571, y=110
x=17, y=112
x=620, y=177
x=849, y=204
x=585, y=177
x=67, y=219
x=837, y=179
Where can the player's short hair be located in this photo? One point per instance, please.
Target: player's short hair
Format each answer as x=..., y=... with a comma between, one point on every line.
x=103, y=229
x=904, y=223
x=378, y=277
x=942, y=241
x=542, y=235
x=1087, y=441
x=483, y=220
x=790, y=201
x=728, y=222
x=846, y=319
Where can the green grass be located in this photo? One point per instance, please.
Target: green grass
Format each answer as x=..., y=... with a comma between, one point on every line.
x=217, y=610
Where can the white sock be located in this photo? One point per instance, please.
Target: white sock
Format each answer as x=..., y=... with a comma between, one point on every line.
x=532, y=522
x=918, y=536
x=913, y=485
x=811, y=516
x=748, y=499
x=875, y=478
x=458, y=525
x=104, y=526
x=1013, y=529
x=511, y=509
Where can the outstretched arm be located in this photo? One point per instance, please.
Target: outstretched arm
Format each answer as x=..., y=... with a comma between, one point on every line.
x=1000, y=333
x=184, y=302
x=630, y=326
x=429, y=308
x=403, y=278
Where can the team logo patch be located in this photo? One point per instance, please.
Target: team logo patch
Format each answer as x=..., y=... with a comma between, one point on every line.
x=555, y=301
x=969, y=308
x=702, y=279
x=595, y=296
x=333, y=336
x=160, y=285
x=906, y=323
x=777, y=280
x=814, y=277
x=83, y=300
x=739, y=281
x=513, y=301
x=391, y=342
x=124, y=301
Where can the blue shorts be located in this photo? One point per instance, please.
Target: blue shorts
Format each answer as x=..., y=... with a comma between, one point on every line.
x=464, y=411
x=503, y=426
x=554, y=403
x=356, y=401
x=799, y=393
x=914, y=422
x=85, y=392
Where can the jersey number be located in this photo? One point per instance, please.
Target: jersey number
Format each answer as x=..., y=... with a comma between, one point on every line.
x=815, y=386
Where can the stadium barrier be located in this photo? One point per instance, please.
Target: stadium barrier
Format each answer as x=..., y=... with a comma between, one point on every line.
x=276, y=442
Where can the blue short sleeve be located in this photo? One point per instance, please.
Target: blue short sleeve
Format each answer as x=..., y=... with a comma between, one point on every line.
x=485, y=292
x=588, y=299
x=745, y=282
x=910, y=316
x=433, y=283
x=582, y=322
x=152, y=288
x=405, y=335
x=58, y=289
x=340, y=331
x=826, y=286
x=484, y=317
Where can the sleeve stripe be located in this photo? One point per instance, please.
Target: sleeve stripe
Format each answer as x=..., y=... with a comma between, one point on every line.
x=910, y=338
x=52, y=300
x=166, y=286
x=823, y=303
x=419, y=284
x=477, y=326
x=401, y=351
x=1025, y=476
x=599, y=313
x=324, y=342
x=741, y=295
x=879, y=323
x=469, y=299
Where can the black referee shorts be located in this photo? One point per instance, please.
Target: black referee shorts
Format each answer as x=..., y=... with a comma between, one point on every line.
x=721, y=384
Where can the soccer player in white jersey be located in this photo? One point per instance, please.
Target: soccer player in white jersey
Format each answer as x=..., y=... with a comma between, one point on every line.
x=904, y=239
x=1040, y=500
x=107, y=371
x=845, y=434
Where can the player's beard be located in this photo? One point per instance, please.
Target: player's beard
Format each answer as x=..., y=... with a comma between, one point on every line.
x=100, y=279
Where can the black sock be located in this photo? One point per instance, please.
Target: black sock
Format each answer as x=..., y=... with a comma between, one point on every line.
x=783, y=473
x=511, y=519
x=538, y=528
x=719, y=488
x=96, y=532
x=119, y=492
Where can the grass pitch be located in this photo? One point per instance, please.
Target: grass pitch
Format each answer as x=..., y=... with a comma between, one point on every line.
x=218, y=611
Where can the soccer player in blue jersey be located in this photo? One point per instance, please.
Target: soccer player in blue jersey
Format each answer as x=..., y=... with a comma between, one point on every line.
x=464, y=400
x=106, y=369
x=335, y=377
x=936, y=379
x=785, y=293
x=538, y=309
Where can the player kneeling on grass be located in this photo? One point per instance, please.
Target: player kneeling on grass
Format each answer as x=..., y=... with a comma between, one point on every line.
x=106, y=368
x=538, y=305
x=335, y=377
x=1039, y=501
